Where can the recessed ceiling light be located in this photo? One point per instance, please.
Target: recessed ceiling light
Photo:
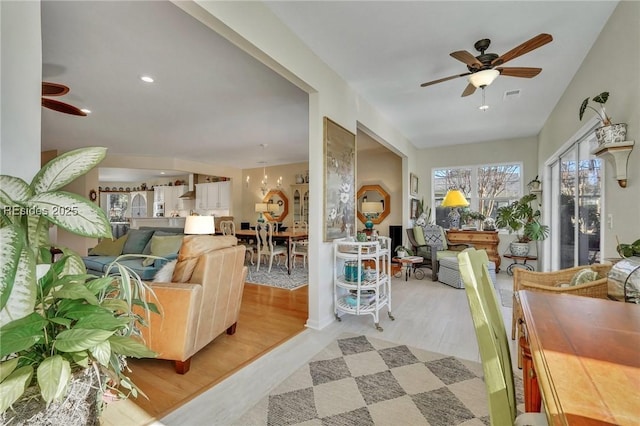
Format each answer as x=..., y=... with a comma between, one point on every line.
x=146, y=79
x=86, y=111
x=162, y=173
x=483, y=107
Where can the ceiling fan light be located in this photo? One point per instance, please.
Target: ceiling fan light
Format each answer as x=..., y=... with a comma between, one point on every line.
x=146, y=79
x=483, y=107
x=483, y=78
x=85, y=110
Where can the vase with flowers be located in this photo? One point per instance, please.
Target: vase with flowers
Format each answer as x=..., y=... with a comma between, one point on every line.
x=608, y=132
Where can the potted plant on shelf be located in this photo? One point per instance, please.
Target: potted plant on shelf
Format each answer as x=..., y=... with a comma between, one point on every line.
x=520, y=217
x=65, y=334
x=608, y=132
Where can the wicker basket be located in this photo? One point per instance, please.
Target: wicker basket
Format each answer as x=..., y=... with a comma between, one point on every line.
x=550, y=282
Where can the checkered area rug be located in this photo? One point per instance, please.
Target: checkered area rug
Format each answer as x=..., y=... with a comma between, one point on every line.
x=365, y=381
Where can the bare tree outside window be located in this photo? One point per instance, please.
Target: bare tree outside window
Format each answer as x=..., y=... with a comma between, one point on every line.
x=487, y=187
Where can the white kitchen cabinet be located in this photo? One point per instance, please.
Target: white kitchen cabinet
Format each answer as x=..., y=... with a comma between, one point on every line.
x=213, y=195
x=170, y=196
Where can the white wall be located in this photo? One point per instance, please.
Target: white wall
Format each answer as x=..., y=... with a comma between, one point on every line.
x=253, y=27
x=20, y=88
x=611, y=65
x=522, y=150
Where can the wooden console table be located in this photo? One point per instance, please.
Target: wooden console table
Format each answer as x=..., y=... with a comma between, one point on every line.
x=481, y=240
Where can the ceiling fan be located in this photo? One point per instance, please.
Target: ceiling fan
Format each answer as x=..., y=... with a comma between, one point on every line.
x=55, y=89
x=485, y=68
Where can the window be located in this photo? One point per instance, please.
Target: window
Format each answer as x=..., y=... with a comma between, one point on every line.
x=486, y=187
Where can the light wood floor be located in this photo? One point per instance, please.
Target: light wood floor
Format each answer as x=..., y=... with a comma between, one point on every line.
x=429, y=315
x=268, y=316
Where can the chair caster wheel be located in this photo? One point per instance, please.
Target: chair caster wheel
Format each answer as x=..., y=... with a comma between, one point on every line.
x=338, y=318
x=378, y=327
x=391, y=316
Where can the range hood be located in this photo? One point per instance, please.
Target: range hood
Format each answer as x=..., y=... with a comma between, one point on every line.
x=191, y=193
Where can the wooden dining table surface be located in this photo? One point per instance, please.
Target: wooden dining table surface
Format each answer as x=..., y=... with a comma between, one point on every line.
x=289, y=235
x=586, y=353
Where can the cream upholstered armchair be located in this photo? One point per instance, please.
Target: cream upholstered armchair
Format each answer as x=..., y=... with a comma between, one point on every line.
x=201, y=302
x=430, y=242
x=557, y=282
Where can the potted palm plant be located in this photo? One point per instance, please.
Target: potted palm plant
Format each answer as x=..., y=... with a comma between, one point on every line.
x=608, y=132
x=65, y=334
x=520, y=217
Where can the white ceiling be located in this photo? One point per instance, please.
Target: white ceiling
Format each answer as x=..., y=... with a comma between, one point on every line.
x=215, y=104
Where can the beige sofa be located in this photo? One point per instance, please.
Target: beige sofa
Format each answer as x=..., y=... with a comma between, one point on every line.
x=203, y=302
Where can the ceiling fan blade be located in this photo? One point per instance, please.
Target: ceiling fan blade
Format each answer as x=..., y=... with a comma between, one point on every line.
x=62, y=107
x=524, y=72
x=467, y=58
x=429, y=83
x=526, y=47
x=470, y=89
x=54, y=89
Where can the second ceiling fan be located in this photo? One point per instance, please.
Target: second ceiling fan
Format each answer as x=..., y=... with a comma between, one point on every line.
x=484, y=68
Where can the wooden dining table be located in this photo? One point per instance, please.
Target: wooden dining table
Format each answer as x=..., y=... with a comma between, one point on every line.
x=586, y=354
x=288, y=236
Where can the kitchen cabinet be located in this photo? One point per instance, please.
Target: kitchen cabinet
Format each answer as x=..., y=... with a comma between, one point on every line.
x=213, y=195
x=170, y=197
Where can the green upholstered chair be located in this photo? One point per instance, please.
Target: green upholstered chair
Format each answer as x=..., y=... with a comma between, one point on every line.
x=430, y=242
x=492, y=341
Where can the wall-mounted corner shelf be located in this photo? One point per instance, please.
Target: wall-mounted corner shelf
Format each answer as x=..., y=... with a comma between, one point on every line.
x=618, y=153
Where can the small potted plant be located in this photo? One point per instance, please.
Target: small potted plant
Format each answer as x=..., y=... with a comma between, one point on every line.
x=609, y=132
x=65, y=334
x=402, y=251
x=520, y=217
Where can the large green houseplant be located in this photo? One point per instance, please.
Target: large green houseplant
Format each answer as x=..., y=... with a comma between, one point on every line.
x=520, y=217
x=62, y=326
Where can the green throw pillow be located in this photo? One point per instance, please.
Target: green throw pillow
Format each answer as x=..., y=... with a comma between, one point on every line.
x=136, y=240
x=163, y=246
x=418, y=235
x=108, y=247
x=583, y=276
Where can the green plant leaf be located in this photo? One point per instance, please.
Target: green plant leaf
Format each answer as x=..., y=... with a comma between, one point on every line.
x=79, y=339
x=127, y=346
x=75, y=291
x=54, y=375
x=102, y=352
x=66, y=168
x=73, y=264
x=81, y=358
x=115, y=305
x=7, y=367
x=21, y=334
x=601, y=98
x=102, y=321
x=18, y=286
x=583, y=107
x=12, y=388
x=72, y=212
x=99, y=284
x=76, y=310
x=13, y=190
x=11, y=243
x=66, y=322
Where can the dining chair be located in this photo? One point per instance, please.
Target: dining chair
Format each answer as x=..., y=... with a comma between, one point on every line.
x=300, y=247
x=227, y=227
x=556, y=282
x=493, y=342
x=266, y=247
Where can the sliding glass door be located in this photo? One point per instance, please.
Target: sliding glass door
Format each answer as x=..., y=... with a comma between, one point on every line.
x=576, y=205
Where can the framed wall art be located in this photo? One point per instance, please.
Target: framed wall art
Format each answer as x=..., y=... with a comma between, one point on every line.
x=413, y=184
x=413, y=208
x=339, y=180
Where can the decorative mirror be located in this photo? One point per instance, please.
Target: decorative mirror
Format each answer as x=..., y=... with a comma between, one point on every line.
x=373, y=194
x=278, y=205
